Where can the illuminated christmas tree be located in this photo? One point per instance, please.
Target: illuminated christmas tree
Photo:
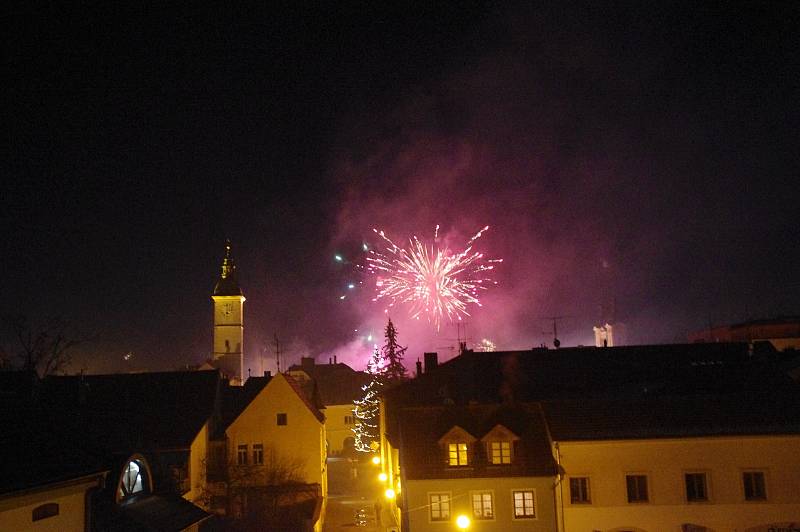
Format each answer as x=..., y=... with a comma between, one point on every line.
x=386, y=367
x=367, y=408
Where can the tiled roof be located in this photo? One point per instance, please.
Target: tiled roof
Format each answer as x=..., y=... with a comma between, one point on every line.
x=337, y=384
x=628, y=392
x=419, y=430
x=137, y=411
x=674, y=416
x=234, y=399
x=577, y=373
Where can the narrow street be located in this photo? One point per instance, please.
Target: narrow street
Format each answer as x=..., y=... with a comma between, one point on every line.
x=353, y=486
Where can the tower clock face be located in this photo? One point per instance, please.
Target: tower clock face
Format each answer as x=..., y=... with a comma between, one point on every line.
x=227, y=309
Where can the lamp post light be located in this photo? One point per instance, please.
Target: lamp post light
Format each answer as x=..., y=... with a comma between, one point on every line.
x=376, y=460
x=382, y=477
x=389, y=493
x=462, y=522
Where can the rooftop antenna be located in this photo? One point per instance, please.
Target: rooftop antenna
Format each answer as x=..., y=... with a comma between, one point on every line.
x=462, y=341
x=556, y=341
x=277, y=352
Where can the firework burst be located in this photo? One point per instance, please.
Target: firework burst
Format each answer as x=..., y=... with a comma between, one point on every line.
x=435, y=282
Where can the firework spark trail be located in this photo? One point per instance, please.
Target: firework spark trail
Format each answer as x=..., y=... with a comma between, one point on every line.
x=433, y=281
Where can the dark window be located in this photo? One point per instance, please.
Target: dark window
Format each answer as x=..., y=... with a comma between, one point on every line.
x=754, y=486
x=241, y=454
x=44, y=511
x=696, y=487
x=258, y=453
x=637, y=488
x=282, y=419
x=579, y=490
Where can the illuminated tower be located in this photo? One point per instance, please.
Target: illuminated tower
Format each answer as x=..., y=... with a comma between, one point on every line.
x=228, y=321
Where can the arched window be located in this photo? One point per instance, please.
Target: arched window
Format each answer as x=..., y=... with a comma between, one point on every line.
x=44, y=511
x=135, y=479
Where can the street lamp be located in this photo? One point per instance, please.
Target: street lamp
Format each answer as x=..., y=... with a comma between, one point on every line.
x=462, y=521
x=382, y=477
x=376, y=460
x=389, y=493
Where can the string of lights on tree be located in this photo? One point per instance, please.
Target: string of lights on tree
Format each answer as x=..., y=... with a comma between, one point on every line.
x=385, y=366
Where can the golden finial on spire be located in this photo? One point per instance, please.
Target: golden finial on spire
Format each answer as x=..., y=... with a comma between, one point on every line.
x=227, y=262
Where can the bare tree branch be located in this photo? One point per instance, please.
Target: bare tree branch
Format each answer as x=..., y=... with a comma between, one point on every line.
x=45, y=348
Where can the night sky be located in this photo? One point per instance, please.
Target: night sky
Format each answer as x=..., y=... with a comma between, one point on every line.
x=640, y=158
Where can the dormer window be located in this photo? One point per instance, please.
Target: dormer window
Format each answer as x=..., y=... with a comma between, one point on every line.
x=500, y=445
x=457, y=445
x=457, y=453
x=134, y=480
x=500, y=452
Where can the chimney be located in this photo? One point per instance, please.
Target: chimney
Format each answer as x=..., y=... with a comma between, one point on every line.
x=268, y=374
x=419, y=368
x=330, y=361
x=431, y=361
x=334, y=359
x=307, y=363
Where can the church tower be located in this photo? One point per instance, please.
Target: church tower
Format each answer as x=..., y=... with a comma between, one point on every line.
x=228, y=321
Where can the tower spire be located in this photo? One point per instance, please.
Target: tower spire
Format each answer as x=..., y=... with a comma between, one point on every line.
x=227, y=285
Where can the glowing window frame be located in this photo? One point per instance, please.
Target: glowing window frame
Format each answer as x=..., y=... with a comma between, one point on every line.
x=126, y=488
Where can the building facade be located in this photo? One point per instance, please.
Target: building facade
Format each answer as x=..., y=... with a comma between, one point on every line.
x=682, y=438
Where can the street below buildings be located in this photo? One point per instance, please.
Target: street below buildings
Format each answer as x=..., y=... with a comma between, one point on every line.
x=353, y=486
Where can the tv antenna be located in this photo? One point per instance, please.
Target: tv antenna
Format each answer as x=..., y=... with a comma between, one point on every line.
x=277, y=352
x=555, y=320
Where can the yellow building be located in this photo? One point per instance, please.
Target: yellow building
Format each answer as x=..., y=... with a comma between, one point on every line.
x=676, y=438
x=707, y=464
x=272, y=438
x=52, y=506
x=490, y=464
x=336, y=386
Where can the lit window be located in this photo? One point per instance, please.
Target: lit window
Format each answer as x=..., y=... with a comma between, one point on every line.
x=482, y=505
x=696, y=487
x=349, y=420
x=501, y=452
x=241, y=454
x=524, y=504
x=637, y=488
x=44, y=511
x=132, y=481
x=258, y=453
x=457, y=454
x=282, y=419
x=579, y=490
x=755, y=488
x=440, y=506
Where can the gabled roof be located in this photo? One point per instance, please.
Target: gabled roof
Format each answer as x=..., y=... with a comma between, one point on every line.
x=674, y=416
x=576, y=373
x=420, y=429
x=143, y=411
x=234, y=399
x=337, y=384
